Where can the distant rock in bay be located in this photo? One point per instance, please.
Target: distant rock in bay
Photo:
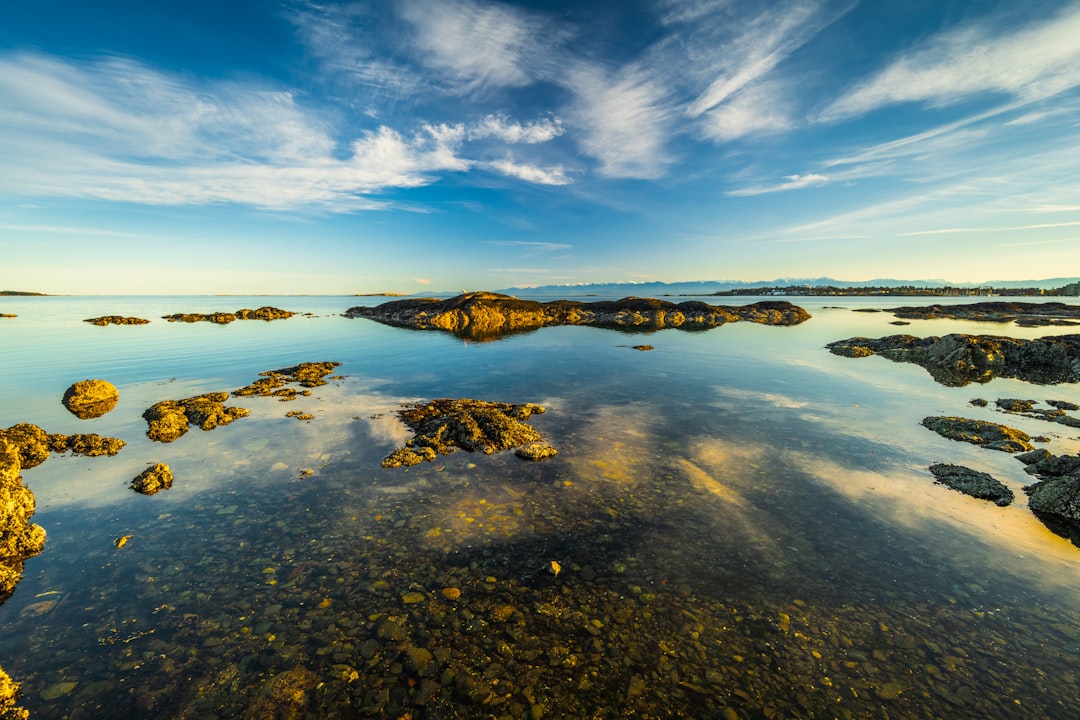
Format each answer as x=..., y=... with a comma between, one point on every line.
x=956, y=360
x=1022, y=313
x=266, y=313
x=488, y=316
x=977, y=484
x=116, y=320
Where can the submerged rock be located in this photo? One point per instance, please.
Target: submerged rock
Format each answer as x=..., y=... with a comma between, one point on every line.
x=486, y=315
x=972, y=482
x=170, y=419
x=152, y=479
x=116, y=320
x=266, y=313
x=1023, y=313
x=956, y=360
x=88, y=399
x=445, y=425
x=980, y=432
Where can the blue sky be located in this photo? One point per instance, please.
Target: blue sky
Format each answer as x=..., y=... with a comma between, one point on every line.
x=409, y=145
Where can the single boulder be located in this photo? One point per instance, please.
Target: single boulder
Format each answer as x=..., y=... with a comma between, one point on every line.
x=980, y=432
x=972, y=482
x=88, y=399
x=152, y=479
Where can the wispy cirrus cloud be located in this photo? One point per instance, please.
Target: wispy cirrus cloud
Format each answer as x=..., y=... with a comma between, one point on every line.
x=791, y=182
x=1033, y=62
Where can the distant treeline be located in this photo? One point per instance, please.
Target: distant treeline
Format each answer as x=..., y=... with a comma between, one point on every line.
x=1071, y=290
x=19, y=292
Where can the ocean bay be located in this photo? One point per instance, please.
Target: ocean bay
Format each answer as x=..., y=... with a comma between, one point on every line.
x=743, y=523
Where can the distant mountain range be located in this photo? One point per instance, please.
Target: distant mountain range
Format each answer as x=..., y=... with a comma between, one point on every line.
x=708, y=287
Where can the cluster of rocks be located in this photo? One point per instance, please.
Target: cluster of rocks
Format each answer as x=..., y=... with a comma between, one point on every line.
x=1056, y=413
x=1022, y=313
x=445, y=425
x=273, y=383
x=1055, y=499
x=956, y=360
x=224, y=318
x=116, y=320
x=7, y=315
x=169, y=420
x=486, y=315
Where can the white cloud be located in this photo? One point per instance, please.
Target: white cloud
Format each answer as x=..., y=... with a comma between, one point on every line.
x=502, y=128
x=757, y=109
x=791, y=182
x=1030, y=63
x=530, y=173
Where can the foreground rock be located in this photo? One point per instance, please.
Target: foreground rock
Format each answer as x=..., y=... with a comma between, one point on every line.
x=170, y=419
x=89, y=399
x=266, y=313
x=116, y=320
x=34, y=444
x=1023, y=313
x=443, y=426
x=956, y=360
x=153, y=479
x=1055, y=499
x=9, y=697
x=19, y=538
x=972, y=482
x=980, y=432
x=485, y=315
x=274, y=382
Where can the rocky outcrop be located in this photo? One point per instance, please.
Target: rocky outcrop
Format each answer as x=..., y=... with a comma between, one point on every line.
x=979, y=432
x=972, y=482
x=34, y=444
x=153, y=479
x=1055, y=499
x=1023, y=313
x=116, y=320
x=89, y=399
x=19, y=538
x=446, y=425
x=957, y=360
x=485, y=315
x=170, y=419
x=1056, y=413
x=273, y=383
x=266, y=313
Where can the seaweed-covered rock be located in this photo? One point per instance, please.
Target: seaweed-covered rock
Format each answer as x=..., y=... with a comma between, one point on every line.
x=972, y=482
x=956, y=360
x=273, y=383
x=19, y=538
x=90, y=444
x=486, y=315
x=157, y=477
x=170, y=419
x=980, y=432
x=536, y=451
x=88, y=399
x=116, y=320
x=9, y=698
x=285, y=696
x=445, y=425
x=266, y=313
x=31, y=441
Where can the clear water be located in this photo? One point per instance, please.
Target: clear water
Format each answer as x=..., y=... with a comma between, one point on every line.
x=745, y=527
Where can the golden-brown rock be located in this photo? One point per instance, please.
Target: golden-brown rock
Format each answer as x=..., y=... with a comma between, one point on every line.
x=168, y=420
x=153, y=479
x=88, y=399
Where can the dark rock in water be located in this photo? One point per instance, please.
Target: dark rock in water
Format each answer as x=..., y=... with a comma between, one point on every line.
x=1043, y=464
x=972, y=482
x=1027, y=409
x=1056, y=502
x=224, y=318
x=88, y=399
x=957, y=360
x=274, y=382
x=445, y=425
x=7, y=315
x=170, y=419
x=643, y=347
x=1024, y=313
x=153, y=479
x=978, y=402
x=979, y=432
x=1063, y=405
x=19, y=538
x=487, y=316
x=116, y=320
x=1030, y=458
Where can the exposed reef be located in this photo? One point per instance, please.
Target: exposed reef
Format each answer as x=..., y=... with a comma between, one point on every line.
x=88, y=399
x=168, y=420
x=273, y=383
x=116, y=320
x=1027, y=408
x=153, y=479
x=34, y=444
x=224, y=318
x=977, y=484
x=487, y=316
x=956, y=360
x=980, y=432
x=1055, y=499
x=1022, y=313
x=445, y=425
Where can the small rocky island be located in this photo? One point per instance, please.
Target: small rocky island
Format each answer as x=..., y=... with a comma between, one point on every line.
x=1022, y=313
x=487, y=315
x=116, y=320
x=956, y=360
x=266, y=313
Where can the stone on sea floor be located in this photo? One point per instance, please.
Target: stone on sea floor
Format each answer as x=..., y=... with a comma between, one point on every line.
x=980, y=432
x=88, y=399
x=153, y=479
x=972, y=482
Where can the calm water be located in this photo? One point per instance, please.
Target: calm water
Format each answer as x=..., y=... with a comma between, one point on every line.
x=745, y=527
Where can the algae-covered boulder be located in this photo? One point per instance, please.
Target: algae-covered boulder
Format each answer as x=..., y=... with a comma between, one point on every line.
x=980, y=432
x=168, y=420
x=153, y=479
x=89, y=399
x=445, y=425
x=19, y=538
x=31, y=441
x=972, y=482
